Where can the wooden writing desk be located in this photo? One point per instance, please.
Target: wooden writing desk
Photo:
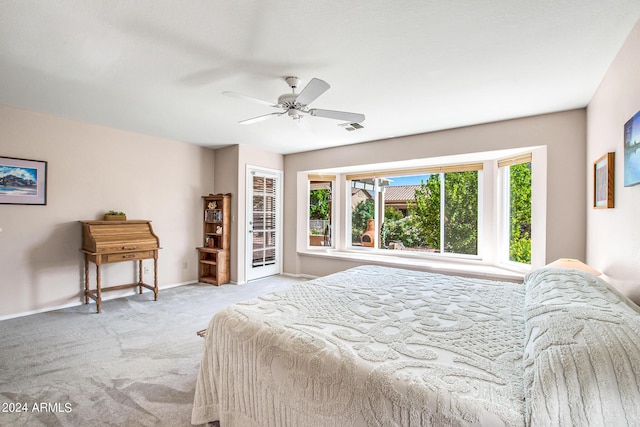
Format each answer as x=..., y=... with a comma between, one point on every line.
x=105, y=242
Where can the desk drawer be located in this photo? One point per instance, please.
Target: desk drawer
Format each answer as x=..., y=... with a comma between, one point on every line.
x=127, y=256
x=129, y=247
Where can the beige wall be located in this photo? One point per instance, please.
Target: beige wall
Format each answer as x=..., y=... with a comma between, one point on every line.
x=613, y=235
x=93, y=169
x=564, y=135
x=231, y=169
x=226, y=181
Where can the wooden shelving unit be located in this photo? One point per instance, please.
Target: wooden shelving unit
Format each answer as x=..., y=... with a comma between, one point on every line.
x=213, y=257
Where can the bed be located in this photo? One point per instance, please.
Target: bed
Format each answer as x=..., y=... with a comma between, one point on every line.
x=379, y=346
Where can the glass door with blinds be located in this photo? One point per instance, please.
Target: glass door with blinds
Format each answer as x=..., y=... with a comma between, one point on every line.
x=263, y=223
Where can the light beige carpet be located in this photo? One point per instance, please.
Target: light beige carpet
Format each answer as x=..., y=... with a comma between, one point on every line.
x=135, y=364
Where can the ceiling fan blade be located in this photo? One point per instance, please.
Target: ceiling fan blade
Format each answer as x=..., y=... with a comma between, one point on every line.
x=338, y=115
x=312, y=90
x=259, y=118
x=249, y=98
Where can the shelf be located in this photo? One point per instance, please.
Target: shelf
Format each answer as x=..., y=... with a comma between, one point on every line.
x=208, y=249
x=208, y=279
x=213, y=256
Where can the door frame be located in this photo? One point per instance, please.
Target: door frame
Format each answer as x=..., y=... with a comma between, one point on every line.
x=248, y=252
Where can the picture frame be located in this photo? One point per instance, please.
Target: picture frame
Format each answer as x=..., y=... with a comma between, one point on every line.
x=603, y=181
x=23, y=181
x=631, y=153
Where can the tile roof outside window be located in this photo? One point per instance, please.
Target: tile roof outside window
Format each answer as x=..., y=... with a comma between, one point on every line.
x=400, y=193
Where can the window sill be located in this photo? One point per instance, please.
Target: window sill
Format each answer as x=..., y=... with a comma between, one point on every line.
x=457, y=267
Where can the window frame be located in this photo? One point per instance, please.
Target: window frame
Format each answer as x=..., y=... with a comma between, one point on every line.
x=489, y=212
x=442, y=171
x=504, y=211
x=332, y=215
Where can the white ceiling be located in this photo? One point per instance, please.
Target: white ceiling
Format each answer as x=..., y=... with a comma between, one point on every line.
x=158, y=67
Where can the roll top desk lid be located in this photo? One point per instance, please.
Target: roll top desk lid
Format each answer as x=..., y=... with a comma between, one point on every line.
x=118, y=236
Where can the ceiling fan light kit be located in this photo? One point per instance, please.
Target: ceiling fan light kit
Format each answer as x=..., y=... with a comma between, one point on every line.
x=295, y=105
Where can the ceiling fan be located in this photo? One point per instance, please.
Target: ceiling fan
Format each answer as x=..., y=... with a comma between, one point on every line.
x=295, y=105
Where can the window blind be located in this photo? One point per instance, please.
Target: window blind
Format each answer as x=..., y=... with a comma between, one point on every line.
x=416, y=171
x=516, y=160
x=320, y=177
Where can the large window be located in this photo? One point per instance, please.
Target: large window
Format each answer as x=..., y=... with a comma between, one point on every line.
x=461, y=211
x=516, y=175
x=320, y=210
x=430, y=211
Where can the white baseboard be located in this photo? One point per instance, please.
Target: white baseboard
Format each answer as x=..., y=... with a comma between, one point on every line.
x=105, y=297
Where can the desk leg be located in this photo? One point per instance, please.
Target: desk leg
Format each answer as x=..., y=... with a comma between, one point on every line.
x=139, y=276
x=155, y=277
x=99, y=289
x=86, y=279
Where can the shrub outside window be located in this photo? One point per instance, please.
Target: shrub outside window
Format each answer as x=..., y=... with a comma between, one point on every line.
x=320, y=210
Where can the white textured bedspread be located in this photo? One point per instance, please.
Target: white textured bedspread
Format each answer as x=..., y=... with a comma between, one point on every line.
x=370, y=346
x=581, y=352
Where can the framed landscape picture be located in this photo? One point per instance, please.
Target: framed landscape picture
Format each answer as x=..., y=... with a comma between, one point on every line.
x=631, y=151
x=22, y=181
x=603, y=185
